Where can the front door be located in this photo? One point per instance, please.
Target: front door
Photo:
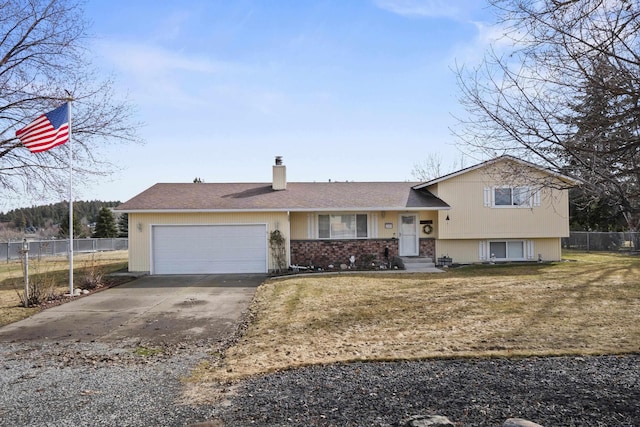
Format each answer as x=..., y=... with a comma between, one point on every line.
x=408, y=235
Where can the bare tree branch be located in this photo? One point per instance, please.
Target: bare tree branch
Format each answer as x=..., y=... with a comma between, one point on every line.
x=42, y=56
x=567, y=96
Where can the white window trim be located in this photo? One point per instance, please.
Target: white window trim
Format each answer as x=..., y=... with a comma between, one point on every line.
x=317, y=225
x=530, y=249
x=487, y=196
x=536, y=198
x=482, y=249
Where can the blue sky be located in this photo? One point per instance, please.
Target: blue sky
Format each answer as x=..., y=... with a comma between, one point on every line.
x=343, y=90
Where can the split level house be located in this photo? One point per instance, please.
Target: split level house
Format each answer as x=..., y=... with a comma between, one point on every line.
x=504, y=209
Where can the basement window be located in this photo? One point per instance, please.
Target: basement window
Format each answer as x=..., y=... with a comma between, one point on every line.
x=342, y=226
x=509, y=250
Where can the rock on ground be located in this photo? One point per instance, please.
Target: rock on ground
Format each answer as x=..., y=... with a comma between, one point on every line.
x=553, y=391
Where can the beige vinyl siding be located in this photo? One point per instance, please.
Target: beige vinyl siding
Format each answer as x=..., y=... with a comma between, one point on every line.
x=299, y=225
x=432, y=216
x=391, y=217
x=549, y=249
x=387, y=217
x=470, y=218
x=302, y=230
x=468, y=251
x=140, y=228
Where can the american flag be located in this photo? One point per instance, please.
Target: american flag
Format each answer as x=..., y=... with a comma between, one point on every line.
x=47, y=131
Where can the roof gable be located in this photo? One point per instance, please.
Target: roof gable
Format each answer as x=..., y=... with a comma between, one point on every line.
x=504, y=158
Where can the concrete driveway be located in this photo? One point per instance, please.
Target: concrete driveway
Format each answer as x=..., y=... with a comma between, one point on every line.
x=150, y=310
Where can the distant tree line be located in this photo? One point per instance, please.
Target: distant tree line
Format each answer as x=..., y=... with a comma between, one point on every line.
x=39, y=217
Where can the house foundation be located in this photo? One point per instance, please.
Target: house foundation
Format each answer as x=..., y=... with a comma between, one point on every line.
x=322, y=253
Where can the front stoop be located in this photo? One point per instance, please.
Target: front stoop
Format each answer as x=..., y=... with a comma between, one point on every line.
x=414, y=264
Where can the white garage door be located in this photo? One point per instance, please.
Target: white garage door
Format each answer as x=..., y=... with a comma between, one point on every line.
x=209, y=249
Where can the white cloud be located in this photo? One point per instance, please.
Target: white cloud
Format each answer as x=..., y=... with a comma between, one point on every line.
x=152, y=72
x=144, y=59
x=421, y=8
x=193, y=84
x=487, y=37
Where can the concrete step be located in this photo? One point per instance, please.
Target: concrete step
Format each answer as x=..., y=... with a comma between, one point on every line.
x=416, y=259
x=418, y=264
x=419, y=267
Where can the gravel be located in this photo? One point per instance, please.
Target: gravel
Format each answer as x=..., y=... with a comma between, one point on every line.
x=93, y=384
x=558, y=391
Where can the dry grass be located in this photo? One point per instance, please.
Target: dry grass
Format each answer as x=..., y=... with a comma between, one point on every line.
x=591, y=306
x=54, y=269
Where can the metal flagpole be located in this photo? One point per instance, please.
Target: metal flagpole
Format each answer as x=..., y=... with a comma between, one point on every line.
x=70, y=201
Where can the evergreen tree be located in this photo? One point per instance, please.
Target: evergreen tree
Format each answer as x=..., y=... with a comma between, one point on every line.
x=589, y=214
x=20, y=221
x=602, y=133
x=63, y=233
x=123, y=225
x=105, y=224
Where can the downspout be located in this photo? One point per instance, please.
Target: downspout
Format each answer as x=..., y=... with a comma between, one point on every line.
x=288, y=238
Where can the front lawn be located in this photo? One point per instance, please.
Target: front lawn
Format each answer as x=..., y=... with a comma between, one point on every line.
x=590, y=305
x=53, y=272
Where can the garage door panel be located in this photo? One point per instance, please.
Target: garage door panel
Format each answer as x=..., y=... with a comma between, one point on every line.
x=209, y=249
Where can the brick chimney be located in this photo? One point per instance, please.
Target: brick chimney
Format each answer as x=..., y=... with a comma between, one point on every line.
x=279, y=175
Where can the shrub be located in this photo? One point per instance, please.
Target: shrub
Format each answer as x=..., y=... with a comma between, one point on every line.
x=41, y=289
x=92, y=274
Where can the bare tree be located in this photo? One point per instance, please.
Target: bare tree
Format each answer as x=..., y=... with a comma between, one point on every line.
x=432, y=167
x=566, y=95
x=43, y=61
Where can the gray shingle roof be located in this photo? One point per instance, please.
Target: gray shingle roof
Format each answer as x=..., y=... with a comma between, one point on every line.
x=307, y=196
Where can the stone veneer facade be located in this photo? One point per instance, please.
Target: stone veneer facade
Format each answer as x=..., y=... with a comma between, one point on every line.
x=322, y=253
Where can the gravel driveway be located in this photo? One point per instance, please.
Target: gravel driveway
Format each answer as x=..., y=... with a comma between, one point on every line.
x=117, y=357
x=92, y=384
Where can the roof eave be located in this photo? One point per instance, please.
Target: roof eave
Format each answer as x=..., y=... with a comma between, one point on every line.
x=331, y=209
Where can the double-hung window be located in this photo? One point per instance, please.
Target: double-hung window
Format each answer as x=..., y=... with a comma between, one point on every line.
x=512, y=196
x=342, y=226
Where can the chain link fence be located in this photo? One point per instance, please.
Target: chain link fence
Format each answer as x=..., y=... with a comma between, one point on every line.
x=602, y=241
x=578, y=240
x=43, y=248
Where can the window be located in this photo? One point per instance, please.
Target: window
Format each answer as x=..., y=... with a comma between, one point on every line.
x=507, y=250
x=342, y=226
x=512, y=196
